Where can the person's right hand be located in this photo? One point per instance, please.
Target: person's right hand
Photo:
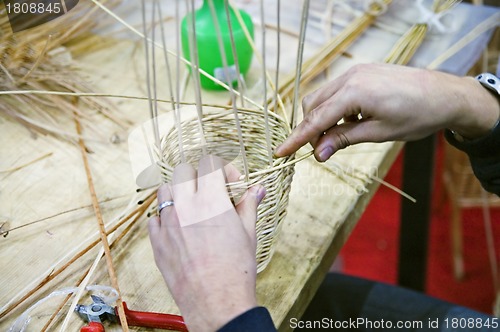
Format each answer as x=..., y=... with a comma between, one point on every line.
x=394, y=103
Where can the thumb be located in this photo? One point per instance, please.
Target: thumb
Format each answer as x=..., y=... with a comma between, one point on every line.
x=247, y=208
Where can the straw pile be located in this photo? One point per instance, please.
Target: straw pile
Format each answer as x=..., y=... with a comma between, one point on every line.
x=408, y=44
x=34, y=59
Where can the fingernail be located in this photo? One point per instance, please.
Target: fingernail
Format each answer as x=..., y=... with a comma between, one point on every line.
x=325, y=153
x=261, y=193
x=276, y=151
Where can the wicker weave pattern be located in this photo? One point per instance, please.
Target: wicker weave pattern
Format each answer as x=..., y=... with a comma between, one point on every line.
x=221, y=139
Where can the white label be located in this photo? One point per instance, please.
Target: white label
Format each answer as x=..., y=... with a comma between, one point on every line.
x=221, y=72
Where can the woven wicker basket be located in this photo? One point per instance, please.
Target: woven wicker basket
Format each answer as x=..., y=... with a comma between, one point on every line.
x=221, y=139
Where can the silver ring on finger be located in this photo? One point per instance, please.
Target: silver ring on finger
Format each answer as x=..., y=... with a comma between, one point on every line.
x=163, y=205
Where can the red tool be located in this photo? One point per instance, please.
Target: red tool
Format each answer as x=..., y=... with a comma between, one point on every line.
x=99, y=311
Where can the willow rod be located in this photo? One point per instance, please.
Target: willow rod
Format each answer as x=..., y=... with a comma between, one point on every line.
x=16, y=168
x=278, y=51
x=102, y=229
x=127, y=229
x=230, y=84
x=264, y=71
x=178, y=79
x=337, y=46
x=298, y=67
x=53, y=273
x=185, y=61
x=241, y=81
x=260, y=60
x=174, y=102
x=148, y=76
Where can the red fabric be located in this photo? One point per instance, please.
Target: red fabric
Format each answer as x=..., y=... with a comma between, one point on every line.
x=371, y=251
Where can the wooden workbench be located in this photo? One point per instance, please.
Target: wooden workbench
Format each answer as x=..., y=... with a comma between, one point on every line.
x=325, y=204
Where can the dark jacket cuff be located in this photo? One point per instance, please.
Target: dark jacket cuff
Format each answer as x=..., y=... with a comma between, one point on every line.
x=256, y=319
x=483, y=147
x=484, y=156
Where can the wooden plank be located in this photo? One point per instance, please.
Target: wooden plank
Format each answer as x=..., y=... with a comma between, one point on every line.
x=324, y=204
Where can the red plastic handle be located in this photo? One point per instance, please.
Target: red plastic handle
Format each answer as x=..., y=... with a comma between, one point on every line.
x=93, y=327
x=154, y=320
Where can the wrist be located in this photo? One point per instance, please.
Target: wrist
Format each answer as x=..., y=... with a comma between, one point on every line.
x=215, y=313
x=211, y=304
x=477, y=112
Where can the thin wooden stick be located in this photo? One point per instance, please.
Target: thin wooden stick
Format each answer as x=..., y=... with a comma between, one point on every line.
x=54, y=215
x=298, y=67
x=193, y=51
x=230, y=84
x=490, y=23
x=63, y=303
x=16, y=168
x=148, y=76
x=241, y=81
x=264, y=71
x=260, y=60
x=278, y=51
x=38, y=60
x=52, y=274
x=175, y=104
x=178, y=80
x=147, y=202
x=104, y=95
x=102, y=230
x=337, y=46
x=155, y=84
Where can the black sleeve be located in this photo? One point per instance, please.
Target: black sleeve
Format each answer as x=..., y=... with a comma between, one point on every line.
x=257, y=319
x=484, y=156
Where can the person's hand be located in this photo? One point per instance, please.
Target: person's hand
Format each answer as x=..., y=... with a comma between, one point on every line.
x=386, y=103
x=204, y=246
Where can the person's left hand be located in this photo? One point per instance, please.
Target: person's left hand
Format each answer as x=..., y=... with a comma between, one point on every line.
x=204, y=246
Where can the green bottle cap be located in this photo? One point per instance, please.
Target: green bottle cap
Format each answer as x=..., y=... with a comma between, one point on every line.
x=210, y=58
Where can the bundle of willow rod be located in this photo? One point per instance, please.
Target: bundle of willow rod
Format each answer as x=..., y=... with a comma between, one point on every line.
x=34, y=60
x=339, y=44
x=407, y=45
x=221, y=139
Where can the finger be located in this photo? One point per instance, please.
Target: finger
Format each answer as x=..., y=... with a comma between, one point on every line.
x=342, y=136
x=318, y=121
x=184, y=182
x=154, y=228
x=319, y=96
x=164, y=193
x=232, y=173
x=168, y=215
x=247, y=208
x=211, y=174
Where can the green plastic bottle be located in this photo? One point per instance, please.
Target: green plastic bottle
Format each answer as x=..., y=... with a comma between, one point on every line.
x=209, y=55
